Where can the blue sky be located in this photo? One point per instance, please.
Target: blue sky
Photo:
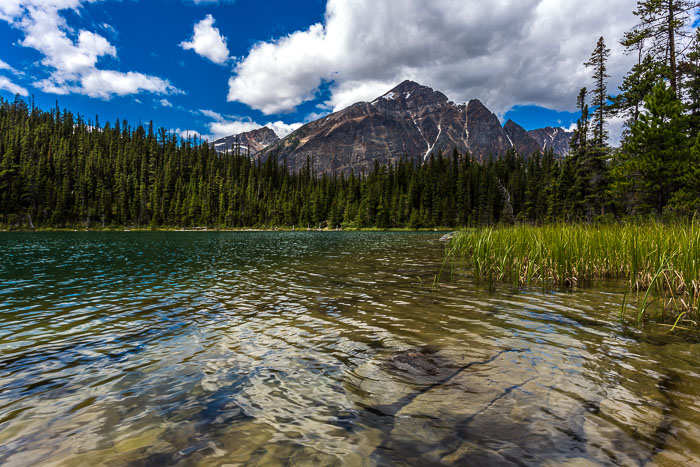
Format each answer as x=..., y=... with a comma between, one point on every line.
x=220, y=67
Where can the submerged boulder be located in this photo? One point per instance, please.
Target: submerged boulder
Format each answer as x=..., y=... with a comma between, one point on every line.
x=416, y=362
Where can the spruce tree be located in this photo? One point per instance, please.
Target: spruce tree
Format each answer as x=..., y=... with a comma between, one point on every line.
x=597, y=150
x=691, y=69
x=656, y=156
x=598, y=62
x=576, y=188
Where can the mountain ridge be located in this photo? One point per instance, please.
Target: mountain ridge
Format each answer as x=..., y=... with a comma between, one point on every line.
x=409, y=120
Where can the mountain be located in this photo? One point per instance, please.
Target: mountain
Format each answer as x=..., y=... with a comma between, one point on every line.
x=256, y=140
x=521, y=139
x=552, y=138
x=410, y=120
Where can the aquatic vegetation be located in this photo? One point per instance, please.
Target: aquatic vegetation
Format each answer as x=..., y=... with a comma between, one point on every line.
x=661, y=262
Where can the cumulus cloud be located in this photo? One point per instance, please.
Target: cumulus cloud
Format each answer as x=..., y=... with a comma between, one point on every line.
x=8, y=85
x=283, y=129
x=505, y=52
x=222, y=126
x=207, y=41
x=165, y=103
x=73, y=58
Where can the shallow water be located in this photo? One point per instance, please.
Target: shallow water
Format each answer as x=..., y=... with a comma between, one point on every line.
x=291, y=348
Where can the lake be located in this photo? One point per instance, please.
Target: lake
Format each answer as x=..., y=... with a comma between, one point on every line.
x=323, y=348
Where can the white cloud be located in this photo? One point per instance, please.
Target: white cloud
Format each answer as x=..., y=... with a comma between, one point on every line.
x=207, y=41
x=316, y=115
x=213, y=115
x=6, y=66
x=186, y=134
x=73, y=59
x=347, y=93
x=283, y=129
x=503, y=52
x=8, y=85
x=226, y=126
x=165, y=103
x=299, y=64
x=222, y=128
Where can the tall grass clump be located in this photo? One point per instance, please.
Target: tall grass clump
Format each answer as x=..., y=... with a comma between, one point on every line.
x=660, y=262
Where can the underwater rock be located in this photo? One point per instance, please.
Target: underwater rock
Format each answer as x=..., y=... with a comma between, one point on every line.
x=416, y=362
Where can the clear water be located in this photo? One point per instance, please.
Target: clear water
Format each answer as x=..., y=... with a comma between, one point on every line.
x=179, y=348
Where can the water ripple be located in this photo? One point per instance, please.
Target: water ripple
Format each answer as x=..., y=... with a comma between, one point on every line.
x=213, y=348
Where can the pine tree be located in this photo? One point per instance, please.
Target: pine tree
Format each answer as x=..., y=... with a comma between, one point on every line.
x=662, y=24
x=576, y=172
x=597, y=150
x=691, y=70
x=598, y=62
x=686, y=201
x=656, y=156
x=634, y=88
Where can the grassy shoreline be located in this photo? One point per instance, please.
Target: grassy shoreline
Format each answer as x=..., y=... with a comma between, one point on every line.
x=660, y=262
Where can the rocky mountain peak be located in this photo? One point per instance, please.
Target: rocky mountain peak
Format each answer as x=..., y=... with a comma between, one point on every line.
x=511, y=125
x=262, y=134
x=555, y=139
x=475, y=105
x=249, y=141
x=519, y=139
x=410, y=95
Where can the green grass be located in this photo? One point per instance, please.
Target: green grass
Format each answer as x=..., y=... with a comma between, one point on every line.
x=660, y=262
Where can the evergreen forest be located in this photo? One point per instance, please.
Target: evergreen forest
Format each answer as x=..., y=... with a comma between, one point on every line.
x=58, y=170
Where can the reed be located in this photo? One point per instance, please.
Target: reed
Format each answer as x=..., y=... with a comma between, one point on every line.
x=660, y=261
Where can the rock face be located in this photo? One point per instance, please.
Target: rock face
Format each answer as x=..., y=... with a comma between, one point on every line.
x=410, y=120
x=520, y=139
x=552, y=138
x=255, y=140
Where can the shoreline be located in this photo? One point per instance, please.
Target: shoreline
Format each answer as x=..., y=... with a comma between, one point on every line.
x=242, y=229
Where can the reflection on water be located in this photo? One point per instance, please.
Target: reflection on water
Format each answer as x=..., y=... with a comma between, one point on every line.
x=319, y=348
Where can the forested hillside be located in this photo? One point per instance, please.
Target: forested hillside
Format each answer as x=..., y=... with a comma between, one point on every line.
x=58, y=170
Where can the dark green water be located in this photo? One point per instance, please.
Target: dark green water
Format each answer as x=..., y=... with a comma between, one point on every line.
x=290, y=348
